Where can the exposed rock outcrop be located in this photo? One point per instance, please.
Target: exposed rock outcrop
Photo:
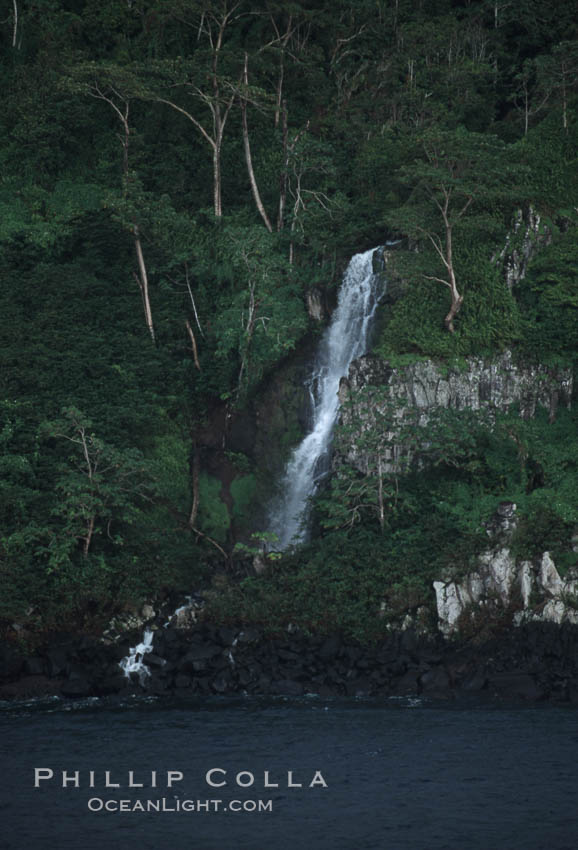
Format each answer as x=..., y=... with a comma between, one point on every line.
x=524, y=591
x=527, y=236
x=128, y=622
x=499, y=584
x=422, y=386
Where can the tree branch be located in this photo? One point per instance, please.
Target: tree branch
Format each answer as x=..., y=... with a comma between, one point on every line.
x=188, y=115
x=210, y=539
x=439, y=280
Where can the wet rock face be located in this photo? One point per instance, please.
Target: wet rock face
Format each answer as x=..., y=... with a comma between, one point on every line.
x=504, y=521
x=128, y=622
x=315, y=306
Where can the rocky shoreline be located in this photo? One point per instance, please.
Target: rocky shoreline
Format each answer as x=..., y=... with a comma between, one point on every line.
x=534, y=662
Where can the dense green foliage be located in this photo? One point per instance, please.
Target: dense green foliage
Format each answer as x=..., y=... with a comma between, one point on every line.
x=177, y=175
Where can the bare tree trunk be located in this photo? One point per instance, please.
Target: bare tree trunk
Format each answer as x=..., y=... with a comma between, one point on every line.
x=193, y=344
x=218, y=119
x=282, y=41
x=142, y=280
x=90, y=470
x=200, y=533
x=296, y=206
x=249, y=328
x=283, y=180
x=217, y=180
x=457, y=299
x=248, y=160
x=142, y=277
x=195, y=505
x=526, y=111
x=88, y=537
x=380, y=493
x=279, y=100
x=193, y=300
x=15, y=24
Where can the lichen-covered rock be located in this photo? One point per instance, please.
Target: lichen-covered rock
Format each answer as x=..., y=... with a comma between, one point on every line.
x=489, y=586
x=187, y=615
x=499, y=583
x=124, y=624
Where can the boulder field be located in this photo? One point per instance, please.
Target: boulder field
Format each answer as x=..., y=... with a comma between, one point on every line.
x=535, y=661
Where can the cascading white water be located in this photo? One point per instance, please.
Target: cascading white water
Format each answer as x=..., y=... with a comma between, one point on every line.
x=344, y=339
x=183, y=617
x=134, y=661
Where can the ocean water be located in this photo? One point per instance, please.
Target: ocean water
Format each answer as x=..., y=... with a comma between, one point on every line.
x=387, y=775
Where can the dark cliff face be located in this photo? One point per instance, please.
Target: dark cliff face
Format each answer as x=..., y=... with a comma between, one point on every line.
x=242, y=452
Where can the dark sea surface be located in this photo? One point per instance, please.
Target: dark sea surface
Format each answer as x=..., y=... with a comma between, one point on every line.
x=401, y=775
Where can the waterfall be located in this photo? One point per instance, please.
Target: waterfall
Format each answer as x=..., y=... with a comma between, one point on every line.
x=134, y=661
x=345, y=338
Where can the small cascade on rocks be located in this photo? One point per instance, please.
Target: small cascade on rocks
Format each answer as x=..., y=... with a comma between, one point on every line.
x=185, y=616
x=345, y=339
x=134, y=661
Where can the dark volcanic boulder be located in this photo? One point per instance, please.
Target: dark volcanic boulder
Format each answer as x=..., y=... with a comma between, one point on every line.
x=29, y=687
x=112, y=684
x=76, y=686
x=514, y=685
x=11, y=663
x=408, y=684
x=287, y=687
x=436, y=683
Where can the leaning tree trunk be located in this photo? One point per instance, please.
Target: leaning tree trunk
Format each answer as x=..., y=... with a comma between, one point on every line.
x=248, y=158
x=143, y=282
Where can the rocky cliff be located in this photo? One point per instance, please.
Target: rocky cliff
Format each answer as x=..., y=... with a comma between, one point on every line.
x=384, y=408
x=416, y=389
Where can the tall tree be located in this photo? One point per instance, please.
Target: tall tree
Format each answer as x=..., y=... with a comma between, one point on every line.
x=455, y=170
x=559, y=74
x=202, y=77
x=99, y=487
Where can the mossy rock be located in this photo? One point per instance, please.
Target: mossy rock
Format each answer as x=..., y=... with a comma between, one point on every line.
x=243, y=491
